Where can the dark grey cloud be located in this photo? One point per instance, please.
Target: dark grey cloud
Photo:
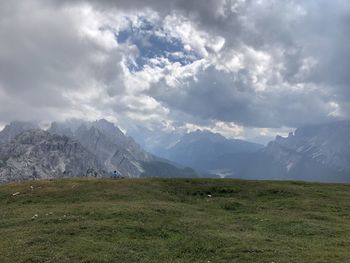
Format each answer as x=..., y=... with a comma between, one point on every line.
x=284, y=63
x=216, y=95
x=45, y=57
x=313, y=42
x=319, y=29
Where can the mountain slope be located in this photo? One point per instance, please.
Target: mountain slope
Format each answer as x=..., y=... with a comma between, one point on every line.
x=312, y=153
x=116, y=151
x=36, y=154
x=208, y=151
x=316, y=153
x=328, y=144
x=15, y=128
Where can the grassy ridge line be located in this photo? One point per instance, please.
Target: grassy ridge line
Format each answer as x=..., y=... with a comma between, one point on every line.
x=174, y=220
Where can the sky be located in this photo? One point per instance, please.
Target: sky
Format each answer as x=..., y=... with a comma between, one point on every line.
x=246, y=69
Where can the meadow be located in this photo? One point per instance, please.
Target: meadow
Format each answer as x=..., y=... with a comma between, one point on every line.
x=174, y=220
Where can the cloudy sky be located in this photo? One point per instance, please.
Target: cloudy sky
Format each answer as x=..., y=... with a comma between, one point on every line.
x=248, y=69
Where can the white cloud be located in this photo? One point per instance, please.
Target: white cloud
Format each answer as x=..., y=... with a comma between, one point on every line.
x=250, y=64
x=194, y=39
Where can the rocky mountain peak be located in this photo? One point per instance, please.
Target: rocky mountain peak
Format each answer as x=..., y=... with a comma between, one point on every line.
x=313, y=151
x=37, y=154
x=14, y=128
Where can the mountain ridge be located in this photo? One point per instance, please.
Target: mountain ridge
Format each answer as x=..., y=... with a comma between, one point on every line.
x=318, y=152
x=100, y=145
x=203, y=150
x=37, y=154
x=314, y=153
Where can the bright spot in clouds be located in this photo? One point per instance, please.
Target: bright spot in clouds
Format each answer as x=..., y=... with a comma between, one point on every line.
x=245, y=69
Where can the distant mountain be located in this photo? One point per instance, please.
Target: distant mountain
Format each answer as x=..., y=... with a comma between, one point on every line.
x=155, y=141
x=314, y=153
x=207, y=151
x=14, y=128
x=78, y=148
x=114, y=150
x=37, y=154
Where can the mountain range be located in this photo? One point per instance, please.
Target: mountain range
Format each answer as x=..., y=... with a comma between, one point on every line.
x=313, y=153
x=77, y=148
x=37, y=154
x=80, y=148
x=208, y=152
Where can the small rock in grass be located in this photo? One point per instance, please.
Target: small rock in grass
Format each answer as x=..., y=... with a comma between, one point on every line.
x=34, y=216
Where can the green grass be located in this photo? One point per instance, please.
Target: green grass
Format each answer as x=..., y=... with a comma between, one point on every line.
x=174, y=220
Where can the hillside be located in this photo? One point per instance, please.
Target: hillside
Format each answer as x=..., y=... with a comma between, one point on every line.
x=37, y=154
x=112, y=148
x=15, y=128
x=210, y=152
x=312, y=153
x=77, y=148
x=116, y=151
x=174, y=220
x=318, y=152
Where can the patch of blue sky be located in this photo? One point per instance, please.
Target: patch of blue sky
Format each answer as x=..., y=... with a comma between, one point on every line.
x=155, y=44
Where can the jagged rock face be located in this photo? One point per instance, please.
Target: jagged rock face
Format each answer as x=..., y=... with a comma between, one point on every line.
x=114, y=154
x=77, y=148
x=118, y=152
x=112, y=148
x=327, y=144
x=119, y=140
x=318, y=152
x=14, y=128
x=37, y=154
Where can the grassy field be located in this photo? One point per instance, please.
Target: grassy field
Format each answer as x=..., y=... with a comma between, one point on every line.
x=180, y=220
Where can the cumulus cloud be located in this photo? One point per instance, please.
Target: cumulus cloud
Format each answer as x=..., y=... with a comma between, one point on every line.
x=58, y=63
x=235, y=66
